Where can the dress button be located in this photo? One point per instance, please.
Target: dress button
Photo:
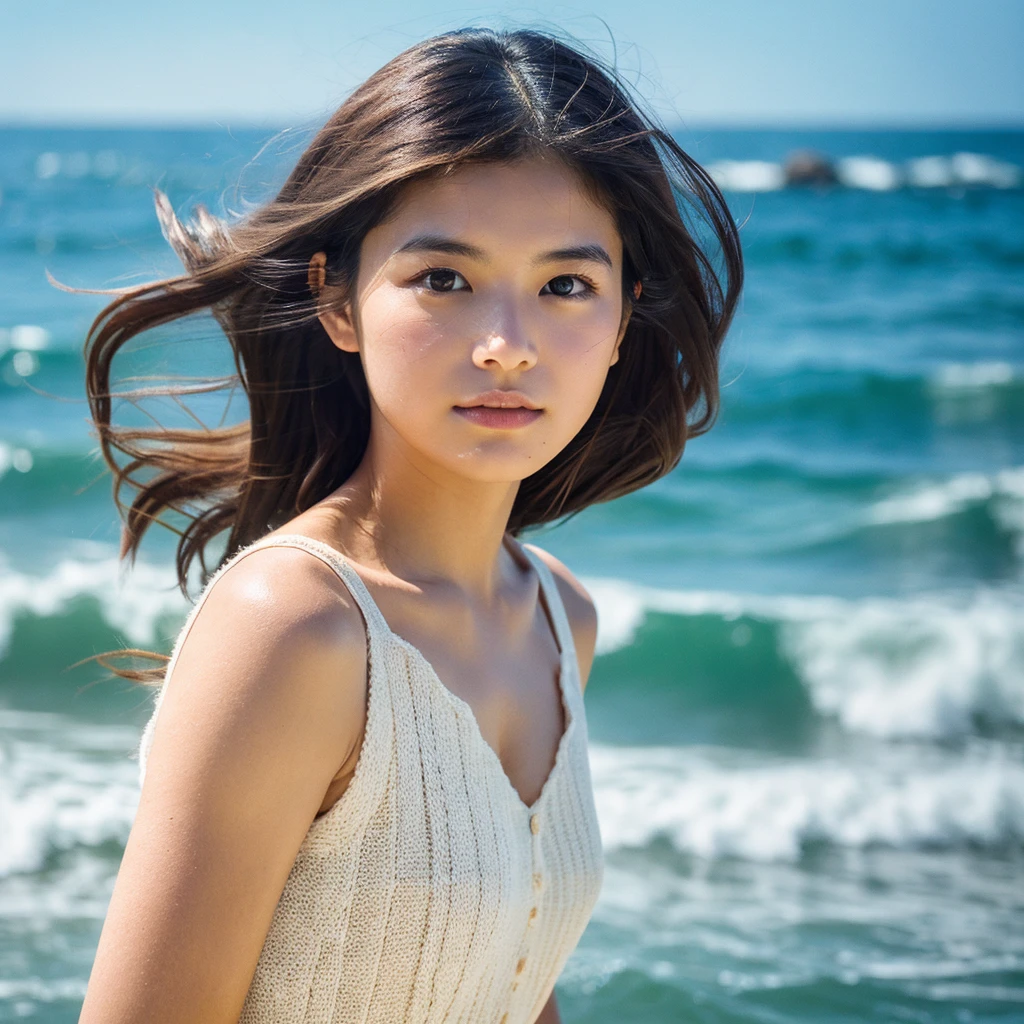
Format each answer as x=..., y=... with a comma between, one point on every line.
x=534, y=824
x=520, y=965
x=504, y=1017
x=533, y=913
x=536, y=879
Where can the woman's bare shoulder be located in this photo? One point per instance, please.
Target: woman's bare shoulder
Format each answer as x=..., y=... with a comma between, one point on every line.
x=266, y=700
x=579, y=609
x=290, y=587
x=280, y=625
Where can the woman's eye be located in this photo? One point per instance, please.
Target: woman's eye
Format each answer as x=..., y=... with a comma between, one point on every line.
x=444, y=280
x=566, y=286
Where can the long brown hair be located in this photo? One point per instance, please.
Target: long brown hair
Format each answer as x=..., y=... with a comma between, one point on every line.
x=470, y=95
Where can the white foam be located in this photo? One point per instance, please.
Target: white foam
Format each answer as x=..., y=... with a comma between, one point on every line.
x=29, y=337
x=972, y=376
x=918, y=667
x=105, y=164
x=747, y=175
x=875, y=174
x=717, y=803
x=56, y=793
x=936, y=500
x=19, y=459
x=25, y=364
x=44, y=990
x=47, y=165
x=978, y=169
x=621, y=612
x=868, y=172
x=962, y=169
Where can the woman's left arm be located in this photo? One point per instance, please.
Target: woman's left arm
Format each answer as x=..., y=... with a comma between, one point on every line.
x=549, y=1015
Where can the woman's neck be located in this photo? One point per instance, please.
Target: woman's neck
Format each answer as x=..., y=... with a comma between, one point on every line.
x=422, y=523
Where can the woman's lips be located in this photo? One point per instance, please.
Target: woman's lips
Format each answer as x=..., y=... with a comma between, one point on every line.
x=499, y=419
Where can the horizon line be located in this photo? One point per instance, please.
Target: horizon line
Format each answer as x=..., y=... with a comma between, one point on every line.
x=229, y=123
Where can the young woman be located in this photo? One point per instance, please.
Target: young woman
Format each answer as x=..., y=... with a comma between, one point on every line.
x=475, y=306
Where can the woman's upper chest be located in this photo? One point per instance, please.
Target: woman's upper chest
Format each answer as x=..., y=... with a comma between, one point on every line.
x=502, y=668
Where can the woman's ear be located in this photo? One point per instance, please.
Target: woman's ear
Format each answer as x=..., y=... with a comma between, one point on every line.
x=336, y=321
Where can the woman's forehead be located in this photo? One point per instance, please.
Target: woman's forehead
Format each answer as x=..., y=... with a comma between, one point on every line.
x=535, y=202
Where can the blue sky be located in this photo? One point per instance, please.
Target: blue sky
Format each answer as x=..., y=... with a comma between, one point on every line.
x=695, y=61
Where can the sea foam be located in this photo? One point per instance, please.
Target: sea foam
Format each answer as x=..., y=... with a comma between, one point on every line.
x=716, y=803
x=63, y=785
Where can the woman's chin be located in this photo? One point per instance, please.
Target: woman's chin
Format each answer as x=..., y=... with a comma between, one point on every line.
x=497, y=461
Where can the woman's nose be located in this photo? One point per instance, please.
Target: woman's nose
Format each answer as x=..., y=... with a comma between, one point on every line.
x=507, y=348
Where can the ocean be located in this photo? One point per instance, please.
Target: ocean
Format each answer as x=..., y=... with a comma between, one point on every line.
x=807, y=710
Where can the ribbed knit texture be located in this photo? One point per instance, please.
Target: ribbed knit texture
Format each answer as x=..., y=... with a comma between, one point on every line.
x=429, y=891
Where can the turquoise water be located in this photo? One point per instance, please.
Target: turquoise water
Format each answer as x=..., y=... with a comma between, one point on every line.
x=807, y=712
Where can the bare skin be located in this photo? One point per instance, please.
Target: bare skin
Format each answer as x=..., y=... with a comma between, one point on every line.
x=263, y=725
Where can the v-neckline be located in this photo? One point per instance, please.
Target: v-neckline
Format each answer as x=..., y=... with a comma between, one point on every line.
x=464, y=707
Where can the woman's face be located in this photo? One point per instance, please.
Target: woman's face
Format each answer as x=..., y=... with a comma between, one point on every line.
x=498, y=277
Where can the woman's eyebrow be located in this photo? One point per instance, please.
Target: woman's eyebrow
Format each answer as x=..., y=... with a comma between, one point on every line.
x=440, y=243
x=590, y=253
x=453, y=247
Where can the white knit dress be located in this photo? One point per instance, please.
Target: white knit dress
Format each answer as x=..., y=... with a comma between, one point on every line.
x=429, y=891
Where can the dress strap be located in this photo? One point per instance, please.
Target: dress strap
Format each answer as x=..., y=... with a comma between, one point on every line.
x=556, y=607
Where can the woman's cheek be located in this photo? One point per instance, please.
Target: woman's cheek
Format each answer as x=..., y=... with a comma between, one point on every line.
x=401, y=345
x=588, y=347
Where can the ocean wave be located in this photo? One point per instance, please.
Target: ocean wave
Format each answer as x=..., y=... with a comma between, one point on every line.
x=977, y=313
x=111, y=168
x=715, y=803
x=1004, y=489
x=132, y=602
x=14, y=457
x=64, y=786
x=919, y=667
x=69, y=241
x=37, y=476
x=872, y=173
x=104, y=164
x=934, y=666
